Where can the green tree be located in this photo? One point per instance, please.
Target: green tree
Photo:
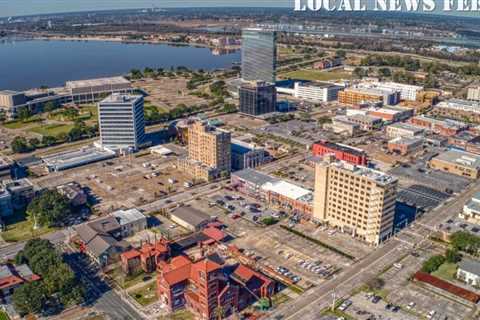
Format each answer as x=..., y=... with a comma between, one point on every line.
x=19, y=145
x=433, y=263
x=466, y=242
x=49, y=106
x=29, y=298
x=34, y=142
x=50, y=208
x=341, y=53
x=452, y=256
x=49, y=140
x=24, y=113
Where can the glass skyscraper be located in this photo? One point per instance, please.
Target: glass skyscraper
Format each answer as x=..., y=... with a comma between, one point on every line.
x=259, y=55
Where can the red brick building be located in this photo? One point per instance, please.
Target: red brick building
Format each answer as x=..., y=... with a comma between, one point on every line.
x=445, y=128
x=258, y=285
x=342, y=152
x=146, y=258
x=200, y=286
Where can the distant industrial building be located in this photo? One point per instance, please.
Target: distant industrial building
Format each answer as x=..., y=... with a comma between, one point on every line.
x=317, y=91
x=257, y=98
x=341, y=152
x=121, y=122
x=84, y=91
x=406, y=130
x=259, y=55
x=356, y=199
x=360, y=95
x=390, y=113
x=247, y=155
x=456, y=162
x=72, y=159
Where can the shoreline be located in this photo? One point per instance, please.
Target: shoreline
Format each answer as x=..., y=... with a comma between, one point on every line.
x=119, y=40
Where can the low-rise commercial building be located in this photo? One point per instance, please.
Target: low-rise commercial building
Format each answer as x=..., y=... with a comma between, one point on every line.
x=405, y=145
x=441, y=127
x=468, y=271
x=74, y=193
x=250, y=182
x=190, y=218
x=341, y=152
x=406, y=130
x=459, y=109
x=76, y=158
x=341, y=125
x=366, y=122
x=407, y=92
x=131, y=221
x=247, y=155
x=290, y=197
x=317, y=91
x=328, y=63
x=360, y=95
x=356, y=199
x=471, y=210
x=391, y=114
x=460, y=163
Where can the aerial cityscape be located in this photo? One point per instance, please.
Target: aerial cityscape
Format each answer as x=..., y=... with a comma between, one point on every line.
x=239, y=163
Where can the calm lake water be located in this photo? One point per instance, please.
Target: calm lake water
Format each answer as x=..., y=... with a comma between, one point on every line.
x=29, y=64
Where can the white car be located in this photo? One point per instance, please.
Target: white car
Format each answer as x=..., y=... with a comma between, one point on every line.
x=410, y=305
x=431, y=314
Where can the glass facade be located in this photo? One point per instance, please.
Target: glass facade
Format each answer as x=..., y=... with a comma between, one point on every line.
x=257, y=98
x=259, y=55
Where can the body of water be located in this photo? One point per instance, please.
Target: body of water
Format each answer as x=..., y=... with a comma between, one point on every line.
x=29, y=64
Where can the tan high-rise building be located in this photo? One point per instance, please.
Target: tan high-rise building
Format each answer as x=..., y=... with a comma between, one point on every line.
x=356, y=199
x=209, y=153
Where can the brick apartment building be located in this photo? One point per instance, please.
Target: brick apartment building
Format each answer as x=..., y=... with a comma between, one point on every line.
x=341, y=152
x=146, y=258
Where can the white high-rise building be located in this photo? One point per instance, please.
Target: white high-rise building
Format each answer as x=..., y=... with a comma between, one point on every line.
x=121, y=122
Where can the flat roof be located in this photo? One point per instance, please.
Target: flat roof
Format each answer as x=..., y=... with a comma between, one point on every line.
x=406, y=140
x=371, y=174
x=70, y=159
x=128, y=216
x=191, y=215
x=255, y=177
x=288, y=190
x=121, y=98
x=342, y=147
x=406, y=126
x=470, y=266
x=464, y=158
x=96, y=82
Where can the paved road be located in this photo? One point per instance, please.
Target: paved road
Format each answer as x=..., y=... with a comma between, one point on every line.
x=9, y=251
x=309, y=305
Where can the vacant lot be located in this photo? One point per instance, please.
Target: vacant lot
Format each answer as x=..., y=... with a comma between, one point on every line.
x=317, y=75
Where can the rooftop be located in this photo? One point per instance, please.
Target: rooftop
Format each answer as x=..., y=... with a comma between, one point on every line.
x=289, y=190
x=96, y=82
x=406, y=140
x=406, y=126
x=191, y=215
x=470, y=266
x=371, y=174
x=70, y=159
x=121, y=98
x=239, y=146
x=460, y=157
x=128, y=216
x=255, y=177
x=342, y=147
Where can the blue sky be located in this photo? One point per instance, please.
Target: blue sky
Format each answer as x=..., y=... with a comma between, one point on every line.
x=27, y=7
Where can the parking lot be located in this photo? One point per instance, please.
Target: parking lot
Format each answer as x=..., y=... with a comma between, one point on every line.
x=302, y=132
x=364, y=306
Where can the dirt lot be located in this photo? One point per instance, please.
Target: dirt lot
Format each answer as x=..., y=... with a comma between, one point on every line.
x=123, y=182
x=167, y=93
x=235, y=120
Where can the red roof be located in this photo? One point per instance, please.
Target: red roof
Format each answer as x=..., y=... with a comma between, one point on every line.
x=214, y=233
x=130, y=254
x=10, y=281
x=177, y=270
x=447, y=286
x=245, y=273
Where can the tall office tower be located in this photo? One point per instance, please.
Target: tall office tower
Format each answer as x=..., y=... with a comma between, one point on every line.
x=356, y=199
x=209, y=146
x=121, y=122
x=257, y=97
x=259, y=55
